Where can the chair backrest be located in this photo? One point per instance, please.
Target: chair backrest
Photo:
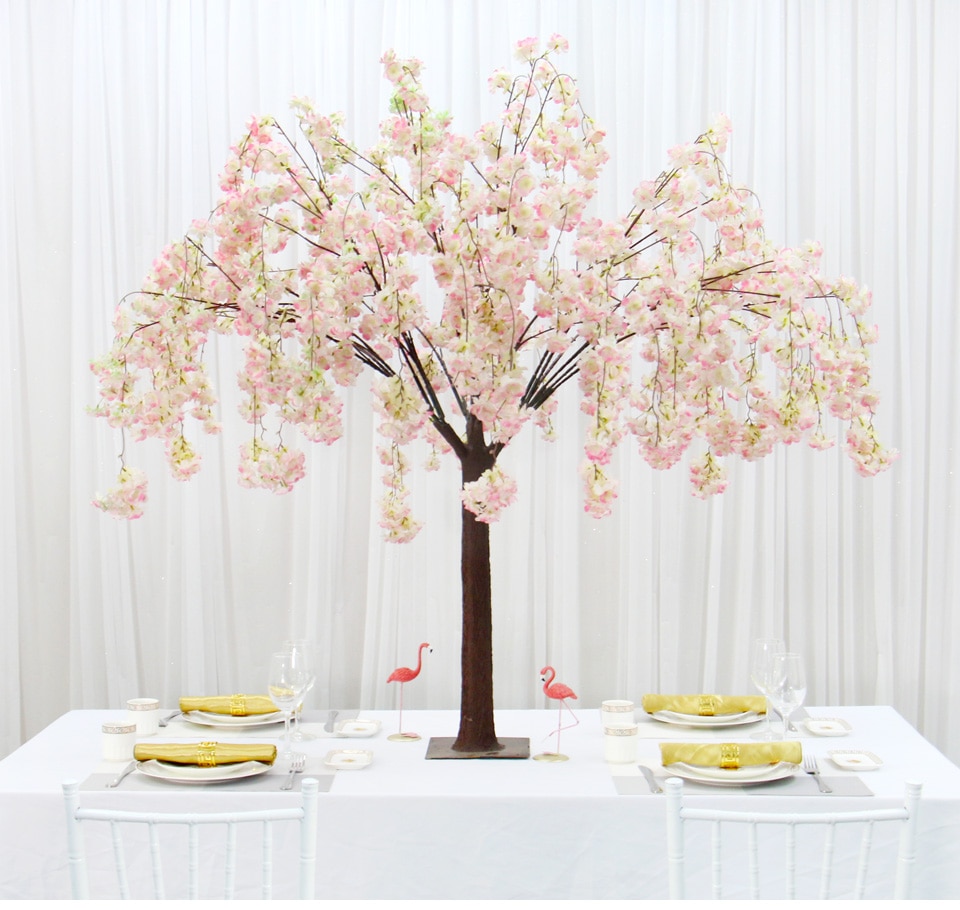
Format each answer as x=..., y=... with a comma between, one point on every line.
x=754, y=851
x=305, y=815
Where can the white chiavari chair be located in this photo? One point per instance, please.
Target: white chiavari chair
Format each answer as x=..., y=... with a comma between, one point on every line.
x=120, y=822
x=730, y=852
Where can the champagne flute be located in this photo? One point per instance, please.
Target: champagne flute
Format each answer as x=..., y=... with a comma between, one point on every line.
x=762, y=675
x=301, y=645
x=285, y=685
x=790, y=689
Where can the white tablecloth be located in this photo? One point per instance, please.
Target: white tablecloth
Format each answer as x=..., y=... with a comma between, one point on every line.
x=405, y=827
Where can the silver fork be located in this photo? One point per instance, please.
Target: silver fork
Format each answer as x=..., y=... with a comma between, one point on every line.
x=296, y=766
x=811, y=767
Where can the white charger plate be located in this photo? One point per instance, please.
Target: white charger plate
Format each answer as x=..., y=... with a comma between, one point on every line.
x=194, y=774
x=707, y=720
x=232, y=721
x=733, y=777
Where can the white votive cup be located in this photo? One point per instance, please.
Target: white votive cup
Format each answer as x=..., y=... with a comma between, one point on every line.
x=616, y=712
x=145, y=713
x=119, y=738
x=620, y=744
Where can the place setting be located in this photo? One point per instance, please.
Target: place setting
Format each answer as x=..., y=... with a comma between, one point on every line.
x=705, y=711
x=230, y=712
x=771, y=757
x=252, y=765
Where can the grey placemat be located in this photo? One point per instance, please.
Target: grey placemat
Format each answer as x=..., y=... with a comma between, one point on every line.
x=271, y=780
x=797, y=785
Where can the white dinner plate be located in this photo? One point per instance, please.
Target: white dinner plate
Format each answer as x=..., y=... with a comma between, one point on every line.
x=730, y=777
x=707, y=720
x=194, y=774
x=232, y=721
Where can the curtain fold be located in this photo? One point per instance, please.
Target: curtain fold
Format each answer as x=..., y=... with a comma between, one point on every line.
x=115, y=119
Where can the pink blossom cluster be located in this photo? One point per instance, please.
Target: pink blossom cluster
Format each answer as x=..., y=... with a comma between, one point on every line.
x=274, y=468
x=128, y=497
x=489, y=495
x=396, y=517
x=470, y=273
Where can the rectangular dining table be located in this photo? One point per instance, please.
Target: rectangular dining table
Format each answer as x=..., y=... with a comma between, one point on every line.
x=408, y=827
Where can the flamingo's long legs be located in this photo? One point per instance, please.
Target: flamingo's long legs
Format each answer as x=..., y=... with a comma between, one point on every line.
x=560, y=727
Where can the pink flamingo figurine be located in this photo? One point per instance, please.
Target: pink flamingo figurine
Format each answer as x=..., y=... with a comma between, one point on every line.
x=404, y=675
x=560, y=692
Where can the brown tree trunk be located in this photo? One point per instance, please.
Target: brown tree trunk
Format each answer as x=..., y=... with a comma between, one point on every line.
x=477, y=733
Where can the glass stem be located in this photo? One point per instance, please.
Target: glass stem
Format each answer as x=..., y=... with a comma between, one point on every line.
x=287, y=748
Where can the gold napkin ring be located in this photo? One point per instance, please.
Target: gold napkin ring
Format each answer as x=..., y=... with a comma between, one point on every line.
x=729, y=755
x=238, y=705
x=707, y=705
x=207, y=755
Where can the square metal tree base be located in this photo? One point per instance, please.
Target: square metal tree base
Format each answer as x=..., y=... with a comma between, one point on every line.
x=513, y=747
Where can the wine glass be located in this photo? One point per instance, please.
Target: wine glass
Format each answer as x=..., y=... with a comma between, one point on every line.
x=301, y=645
x=286, y=685
x=762, y=672
x=790, y=688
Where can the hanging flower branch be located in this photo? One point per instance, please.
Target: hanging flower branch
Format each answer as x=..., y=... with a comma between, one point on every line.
x=680, y=322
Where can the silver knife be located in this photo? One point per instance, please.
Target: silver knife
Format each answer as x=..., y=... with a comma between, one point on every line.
x=116, y=781
x=165, y=720
x=652, y=782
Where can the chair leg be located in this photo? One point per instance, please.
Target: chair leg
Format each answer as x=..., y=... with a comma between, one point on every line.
x=76, y=858
x=308, y=839
x=907, y=856
x=674, y=793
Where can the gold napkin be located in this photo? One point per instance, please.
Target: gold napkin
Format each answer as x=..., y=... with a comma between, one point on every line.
x=236, y=705
x=705, y=705
x=730, y=755
x=206, y=755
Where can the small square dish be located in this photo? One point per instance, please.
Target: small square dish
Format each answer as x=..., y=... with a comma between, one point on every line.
x=827, y=726
x=348, y=759
x=358, y=727
x=854, y=760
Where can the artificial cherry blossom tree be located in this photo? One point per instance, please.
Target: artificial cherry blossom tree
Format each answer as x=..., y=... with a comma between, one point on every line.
x=468, y=273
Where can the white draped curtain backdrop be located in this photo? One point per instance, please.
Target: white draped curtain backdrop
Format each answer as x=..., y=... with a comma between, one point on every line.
x=115, y=118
